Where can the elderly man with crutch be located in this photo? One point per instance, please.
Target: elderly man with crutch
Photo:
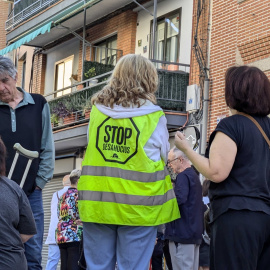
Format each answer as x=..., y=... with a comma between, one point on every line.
x=25, y=119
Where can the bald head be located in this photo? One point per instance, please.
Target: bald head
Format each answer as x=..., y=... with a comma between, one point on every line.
x=66, y=180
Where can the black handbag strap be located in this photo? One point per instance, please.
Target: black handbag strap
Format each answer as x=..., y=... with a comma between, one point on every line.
x=258, y=126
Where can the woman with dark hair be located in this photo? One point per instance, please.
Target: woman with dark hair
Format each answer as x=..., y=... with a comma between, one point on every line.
x=238, y=164
x=17, y=224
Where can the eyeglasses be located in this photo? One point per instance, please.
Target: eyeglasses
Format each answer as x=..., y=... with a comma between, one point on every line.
x=170, y=161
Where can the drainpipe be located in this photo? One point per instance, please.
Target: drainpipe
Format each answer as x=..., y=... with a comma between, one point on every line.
x=83, y=45
x=154, y=30
x=206, y=87
x=205, y=116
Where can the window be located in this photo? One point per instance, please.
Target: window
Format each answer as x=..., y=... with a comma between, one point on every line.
x=63, y=72
x=105, y=51
x=167, y=37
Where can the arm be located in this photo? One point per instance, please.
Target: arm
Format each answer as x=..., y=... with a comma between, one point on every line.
x=158, y=144
x=26, y=225
x=181, y=188
x=47, y=155
x=221, y=158
x=26, y=237
x=164, y=136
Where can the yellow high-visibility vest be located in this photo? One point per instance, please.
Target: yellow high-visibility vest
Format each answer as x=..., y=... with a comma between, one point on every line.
x=119, y=183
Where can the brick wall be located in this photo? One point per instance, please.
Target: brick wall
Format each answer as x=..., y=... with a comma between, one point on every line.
x=3, y=17
x=39, y=68
x=124, y=24
x=240, y=35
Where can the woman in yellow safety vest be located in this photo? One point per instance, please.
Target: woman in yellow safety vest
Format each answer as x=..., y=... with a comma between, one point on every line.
x=125, y=190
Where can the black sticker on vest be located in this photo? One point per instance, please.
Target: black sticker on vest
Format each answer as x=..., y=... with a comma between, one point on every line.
x=117, y=143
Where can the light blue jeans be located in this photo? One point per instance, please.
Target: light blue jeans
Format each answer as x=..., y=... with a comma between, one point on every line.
x=130, y=246
x=53, y=257
x=33, y=247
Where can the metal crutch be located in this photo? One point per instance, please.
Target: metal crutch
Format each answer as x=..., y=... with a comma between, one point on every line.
x=26, y=153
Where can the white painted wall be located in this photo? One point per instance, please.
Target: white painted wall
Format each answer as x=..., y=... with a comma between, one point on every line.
x=56, y=54
x=164, y=7
x=29, y=55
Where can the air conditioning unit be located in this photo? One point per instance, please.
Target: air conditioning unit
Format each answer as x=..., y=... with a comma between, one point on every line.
x=193, y=98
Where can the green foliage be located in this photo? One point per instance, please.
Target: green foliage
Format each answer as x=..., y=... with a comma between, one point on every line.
x=60, y=110
x=87, y=106
x=93, y=69
x=74, y=103
x=54, y=119
x=171, y=94
x=78, y=101
x=90, y=73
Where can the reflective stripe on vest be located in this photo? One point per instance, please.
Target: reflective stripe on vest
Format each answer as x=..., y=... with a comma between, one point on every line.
x=125, y=198
x=125, y=174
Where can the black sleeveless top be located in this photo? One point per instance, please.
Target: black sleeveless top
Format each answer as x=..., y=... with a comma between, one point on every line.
x=248, y=184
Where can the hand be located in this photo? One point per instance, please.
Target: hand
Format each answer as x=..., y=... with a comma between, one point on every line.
x=181, y=142
x=79, y=222
x=38, y=188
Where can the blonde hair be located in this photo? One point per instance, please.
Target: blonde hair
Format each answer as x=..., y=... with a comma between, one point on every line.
x=134, y=77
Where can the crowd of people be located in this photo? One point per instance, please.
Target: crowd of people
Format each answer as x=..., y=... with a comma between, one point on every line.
x=123, y=203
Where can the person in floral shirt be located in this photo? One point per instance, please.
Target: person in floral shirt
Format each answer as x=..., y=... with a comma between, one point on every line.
x=69, y=228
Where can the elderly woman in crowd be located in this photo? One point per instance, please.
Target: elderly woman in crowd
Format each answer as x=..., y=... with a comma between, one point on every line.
x=238, y=164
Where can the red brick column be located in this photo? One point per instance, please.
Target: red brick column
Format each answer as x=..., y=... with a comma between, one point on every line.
x=39, y=68
x=3, y=17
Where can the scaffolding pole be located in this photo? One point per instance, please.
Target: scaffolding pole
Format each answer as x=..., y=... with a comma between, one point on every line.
x=83, y=45
x=154, y=30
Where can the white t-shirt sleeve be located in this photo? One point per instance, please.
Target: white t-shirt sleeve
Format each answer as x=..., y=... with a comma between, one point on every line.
x=158, y=145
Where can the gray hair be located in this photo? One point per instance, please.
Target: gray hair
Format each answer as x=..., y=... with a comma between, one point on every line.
x=7, y=67
x=74, y=176
x=179, y=153
x=76, y=173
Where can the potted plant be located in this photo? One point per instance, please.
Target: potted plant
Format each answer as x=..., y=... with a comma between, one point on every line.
x=61, y=112
x=54, y=120
x=75, y=105
x=90, y=74
x=87, y=109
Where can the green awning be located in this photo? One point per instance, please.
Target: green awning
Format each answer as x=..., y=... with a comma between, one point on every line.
x=27, y=38
x=60, y=17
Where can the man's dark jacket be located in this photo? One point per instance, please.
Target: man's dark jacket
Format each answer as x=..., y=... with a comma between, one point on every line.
x=189, y=228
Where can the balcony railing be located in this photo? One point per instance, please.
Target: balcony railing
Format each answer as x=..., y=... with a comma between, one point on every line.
x=173, y=82
x=74, y=107
x=19, y=15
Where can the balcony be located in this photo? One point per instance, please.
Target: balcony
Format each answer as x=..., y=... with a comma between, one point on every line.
x=23, y=11
x=74, y=108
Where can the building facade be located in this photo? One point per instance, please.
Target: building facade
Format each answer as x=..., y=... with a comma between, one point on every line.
x=74, y=46
x=240, y=35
